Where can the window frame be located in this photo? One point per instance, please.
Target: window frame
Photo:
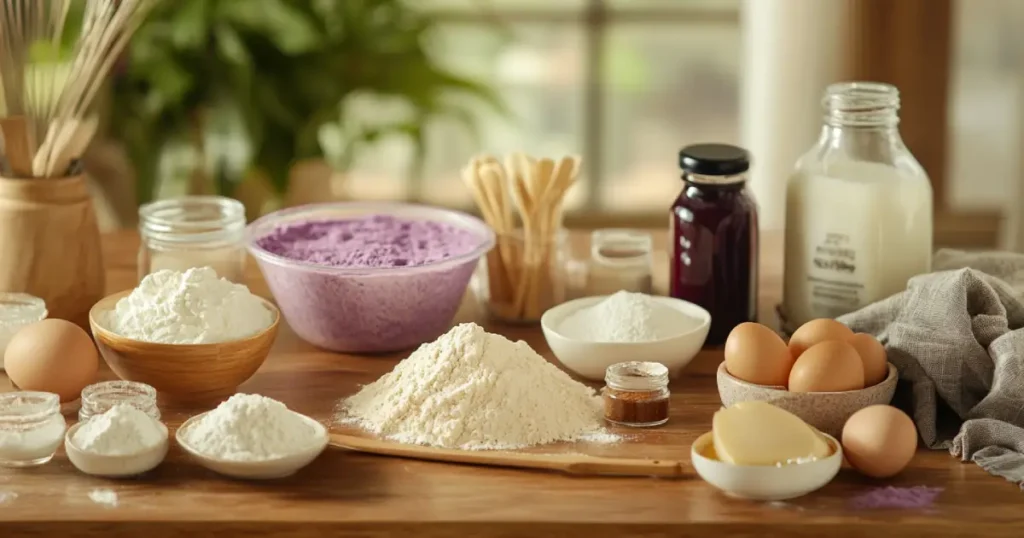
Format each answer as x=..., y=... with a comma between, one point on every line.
x=595, y=18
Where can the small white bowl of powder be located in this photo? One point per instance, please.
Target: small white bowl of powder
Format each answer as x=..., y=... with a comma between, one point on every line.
x=123, y=441
x=252, y=437
x=590, y=334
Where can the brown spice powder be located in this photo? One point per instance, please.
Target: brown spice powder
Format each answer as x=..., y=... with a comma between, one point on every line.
x=635, y=407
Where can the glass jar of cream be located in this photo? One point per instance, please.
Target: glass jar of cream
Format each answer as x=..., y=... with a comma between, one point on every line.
x=31, y=428
x=16, y=311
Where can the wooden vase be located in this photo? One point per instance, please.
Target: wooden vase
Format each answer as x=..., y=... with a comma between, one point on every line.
x=50, y=245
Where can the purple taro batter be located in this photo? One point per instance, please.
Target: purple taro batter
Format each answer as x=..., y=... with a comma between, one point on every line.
x=369, y=311
x=374, y=241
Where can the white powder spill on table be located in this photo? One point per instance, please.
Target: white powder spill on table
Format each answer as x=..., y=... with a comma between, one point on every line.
x=626, y=317
x=475, y=391
x=7, y=497
x=103, y=496
x=188, y=307
x=251, y=427
x=601, y=437
x=121, y=430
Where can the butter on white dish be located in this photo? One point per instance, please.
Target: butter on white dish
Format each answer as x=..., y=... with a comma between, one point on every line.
x=792, y=458
x=758, y=433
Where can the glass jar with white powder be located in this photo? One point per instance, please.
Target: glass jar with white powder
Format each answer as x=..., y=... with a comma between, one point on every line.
x=98, y=398
x=31, y=428
x=619, y=260
x=193, y=231
x=16, y=311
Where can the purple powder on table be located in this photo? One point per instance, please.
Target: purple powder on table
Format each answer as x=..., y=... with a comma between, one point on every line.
x=917, y=497
x=373, y=241
x=369, y=311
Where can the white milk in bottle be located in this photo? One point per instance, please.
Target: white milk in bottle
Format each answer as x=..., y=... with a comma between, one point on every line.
x=858, y=210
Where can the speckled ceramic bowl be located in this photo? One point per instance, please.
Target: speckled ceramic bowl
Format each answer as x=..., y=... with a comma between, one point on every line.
x=826, y=411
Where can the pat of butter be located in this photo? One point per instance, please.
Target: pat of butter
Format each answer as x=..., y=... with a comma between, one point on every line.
x=758, y=433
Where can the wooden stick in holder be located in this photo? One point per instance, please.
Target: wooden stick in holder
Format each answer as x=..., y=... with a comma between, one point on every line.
x=488, y=193
x=18, y=144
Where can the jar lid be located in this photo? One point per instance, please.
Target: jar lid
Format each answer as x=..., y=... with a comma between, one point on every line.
x=636, y=375
x=19, y=309
x=714, y=159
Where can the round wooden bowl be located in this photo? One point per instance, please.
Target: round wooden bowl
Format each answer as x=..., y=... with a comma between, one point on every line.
x=182, y=373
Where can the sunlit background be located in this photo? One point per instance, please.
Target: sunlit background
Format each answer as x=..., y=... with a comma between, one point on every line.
x=413, y=89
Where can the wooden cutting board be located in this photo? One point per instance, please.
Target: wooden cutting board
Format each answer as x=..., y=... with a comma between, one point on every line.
x=563, y=457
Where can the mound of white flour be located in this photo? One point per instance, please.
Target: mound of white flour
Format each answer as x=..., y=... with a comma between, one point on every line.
x=121, y=430
x=476, y=391
x=188, y=307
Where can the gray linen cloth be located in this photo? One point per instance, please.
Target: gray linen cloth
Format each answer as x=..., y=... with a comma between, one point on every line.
x=957, y=338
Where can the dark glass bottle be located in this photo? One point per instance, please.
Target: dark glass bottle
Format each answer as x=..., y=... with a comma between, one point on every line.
x=714, y=237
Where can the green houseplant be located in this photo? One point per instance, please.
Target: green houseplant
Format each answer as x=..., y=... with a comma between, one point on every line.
x=272, y=77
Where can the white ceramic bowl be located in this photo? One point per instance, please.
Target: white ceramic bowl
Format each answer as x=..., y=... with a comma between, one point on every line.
x=591, y=359
x=765, y=482
x=114, y=466
x=257, y=470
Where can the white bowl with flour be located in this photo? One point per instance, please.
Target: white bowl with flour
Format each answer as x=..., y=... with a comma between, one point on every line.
x=250, y=436
x=590, y=334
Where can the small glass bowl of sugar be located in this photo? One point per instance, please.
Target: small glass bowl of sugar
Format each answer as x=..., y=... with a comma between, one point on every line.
x=31, y=428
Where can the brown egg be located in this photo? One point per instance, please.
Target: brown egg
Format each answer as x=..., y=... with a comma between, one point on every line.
x=817, y=331
x=872, y=354
x=832, y=366
x=879, y=440
x=52, y=355
x=755, y=354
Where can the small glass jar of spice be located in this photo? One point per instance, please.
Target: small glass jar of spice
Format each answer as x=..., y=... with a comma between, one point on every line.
x=636, y=394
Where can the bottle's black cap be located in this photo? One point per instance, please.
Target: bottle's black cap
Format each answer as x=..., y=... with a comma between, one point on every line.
x=714, y=159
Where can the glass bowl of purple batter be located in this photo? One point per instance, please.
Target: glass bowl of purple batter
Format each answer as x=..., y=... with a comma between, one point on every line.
x=363, y=277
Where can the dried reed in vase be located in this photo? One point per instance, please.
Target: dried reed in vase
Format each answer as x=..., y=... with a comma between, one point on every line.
x=49, y=240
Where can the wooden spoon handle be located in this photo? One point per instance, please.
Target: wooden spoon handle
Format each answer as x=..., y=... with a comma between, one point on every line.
x=577, y=464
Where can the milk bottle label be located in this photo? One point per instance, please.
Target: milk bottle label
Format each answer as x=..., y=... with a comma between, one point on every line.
x=841, y=228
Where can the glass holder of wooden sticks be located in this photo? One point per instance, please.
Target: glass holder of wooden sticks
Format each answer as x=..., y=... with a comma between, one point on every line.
x=519, y=280
x=521, y=199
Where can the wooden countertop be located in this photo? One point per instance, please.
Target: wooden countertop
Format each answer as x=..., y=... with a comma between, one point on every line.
x=345, y=493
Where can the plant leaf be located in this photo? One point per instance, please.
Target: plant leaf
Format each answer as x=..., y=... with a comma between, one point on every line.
x=230, y=46
x=283, y=23
x=190, y=24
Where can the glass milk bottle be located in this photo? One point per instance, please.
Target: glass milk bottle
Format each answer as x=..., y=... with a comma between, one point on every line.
x=858, y=209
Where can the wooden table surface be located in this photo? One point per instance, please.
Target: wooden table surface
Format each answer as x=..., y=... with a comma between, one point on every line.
x=351, y=494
